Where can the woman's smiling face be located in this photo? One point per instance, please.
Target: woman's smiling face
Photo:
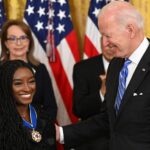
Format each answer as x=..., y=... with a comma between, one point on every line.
x=23, y=86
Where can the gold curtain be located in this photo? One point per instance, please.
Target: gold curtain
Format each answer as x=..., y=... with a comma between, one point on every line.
x=144, y=7
x=14, y=8
x=79, y=10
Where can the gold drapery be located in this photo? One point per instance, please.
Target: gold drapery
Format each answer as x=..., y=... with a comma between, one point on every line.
x=14, y=8
x=144, y=7
x=79, y=10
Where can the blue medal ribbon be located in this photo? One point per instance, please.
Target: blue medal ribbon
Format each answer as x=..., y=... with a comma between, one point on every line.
x=33, y=118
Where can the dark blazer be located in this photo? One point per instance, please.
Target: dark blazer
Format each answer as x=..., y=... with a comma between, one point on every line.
x=44, y=97
x=86, y=97
x=130, y=129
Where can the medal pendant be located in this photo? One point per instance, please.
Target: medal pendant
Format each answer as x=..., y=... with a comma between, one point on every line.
x=36, y=136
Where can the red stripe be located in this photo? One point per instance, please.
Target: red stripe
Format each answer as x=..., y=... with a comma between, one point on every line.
x=60, y=146
x=73, y=43
x=89, y=49
x=63, y=85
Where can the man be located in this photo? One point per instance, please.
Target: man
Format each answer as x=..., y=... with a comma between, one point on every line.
x=89, y=89
x=121, y=26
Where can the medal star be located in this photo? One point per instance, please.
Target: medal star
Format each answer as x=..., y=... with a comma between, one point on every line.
x=36, y=136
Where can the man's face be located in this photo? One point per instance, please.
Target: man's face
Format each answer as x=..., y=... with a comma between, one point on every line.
x=107, y=52
x=115, y=36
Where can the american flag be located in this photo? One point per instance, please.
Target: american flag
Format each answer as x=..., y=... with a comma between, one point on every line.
x=92, y=36
x=2, y=14
x=51, y=18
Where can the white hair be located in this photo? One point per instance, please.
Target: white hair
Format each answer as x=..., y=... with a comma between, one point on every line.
x=123, y=12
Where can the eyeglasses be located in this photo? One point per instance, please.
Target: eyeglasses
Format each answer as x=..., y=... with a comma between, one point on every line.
x=15, y=40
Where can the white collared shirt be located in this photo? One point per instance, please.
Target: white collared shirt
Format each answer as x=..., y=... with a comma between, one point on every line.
x=135, y=58
x=106, y=64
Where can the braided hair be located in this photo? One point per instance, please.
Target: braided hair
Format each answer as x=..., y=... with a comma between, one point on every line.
x=12, y=133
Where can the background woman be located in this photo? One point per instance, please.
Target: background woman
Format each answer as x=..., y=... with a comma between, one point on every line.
x=17, y=43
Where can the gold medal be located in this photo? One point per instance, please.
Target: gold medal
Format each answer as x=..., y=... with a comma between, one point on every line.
x=36, y=136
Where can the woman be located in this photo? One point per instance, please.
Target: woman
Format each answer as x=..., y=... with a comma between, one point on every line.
x=22, y=127
x=17, y=43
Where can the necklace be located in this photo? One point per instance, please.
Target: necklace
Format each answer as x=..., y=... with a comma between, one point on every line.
x=36, y=136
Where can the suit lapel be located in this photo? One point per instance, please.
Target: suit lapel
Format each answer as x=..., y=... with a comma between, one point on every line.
x=138, y=76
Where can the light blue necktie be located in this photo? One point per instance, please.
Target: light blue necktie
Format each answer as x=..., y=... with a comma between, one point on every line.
x=122, y=84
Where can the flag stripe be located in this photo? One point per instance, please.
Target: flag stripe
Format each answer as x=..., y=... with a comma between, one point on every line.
x=62, y=115
x=67, y=59
x=72, y=42
x=63, y=85
x=88, y=48
x=93, y=33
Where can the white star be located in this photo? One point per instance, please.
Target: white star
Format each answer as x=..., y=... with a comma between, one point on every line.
x=61, y=2
x=61, y=14
x=98, y=1
x=60, y=28
x=51, y=13
x=69, y=16
x=30, y=10
x=39, y=25
x=95, y=12
x=41, y=11
x=49, y=27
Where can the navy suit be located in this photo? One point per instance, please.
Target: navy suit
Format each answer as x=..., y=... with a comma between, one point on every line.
x=130, y=129
x=86, y=95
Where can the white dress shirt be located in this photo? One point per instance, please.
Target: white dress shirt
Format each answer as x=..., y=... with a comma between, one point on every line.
x=135, y=58
x=106, y=64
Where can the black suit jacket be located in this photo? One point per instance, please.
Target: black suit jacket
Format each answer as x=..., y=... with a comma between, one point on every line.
x=86, y=95
x=44, y=97
x=130, y=130
x=87, y=84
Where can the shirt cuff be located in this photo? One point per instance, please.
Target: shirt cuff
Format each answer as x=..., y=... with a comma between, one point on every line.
x=101, y=96
x=61, y=135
